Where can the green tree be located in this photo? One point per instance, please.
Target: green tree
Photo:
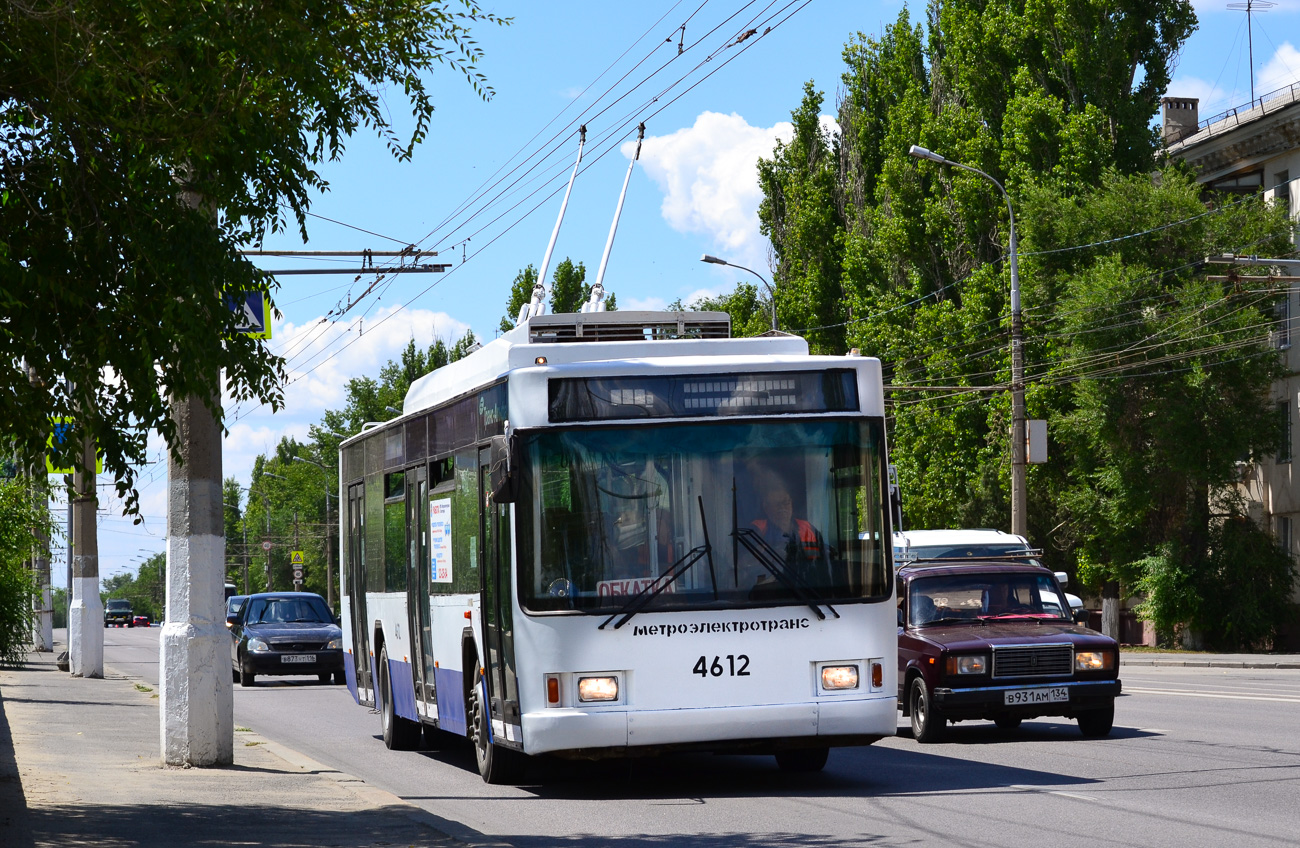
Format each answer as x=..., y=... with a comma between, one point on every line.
x=568, y=286
x=750, y=313
x=143, y=145
x=521, y=292
x=903, y=259
x=232, y=521
x=368, y=398
x=21, y=516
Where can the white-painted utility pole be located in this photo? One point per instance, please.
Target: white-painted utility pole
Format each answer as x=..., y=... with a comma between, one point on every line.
x=197, y=703
x=86, y=613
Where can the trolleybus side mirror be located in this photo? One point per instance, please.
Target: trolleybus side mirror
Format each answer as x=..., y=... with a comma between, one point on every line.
x=500, y=476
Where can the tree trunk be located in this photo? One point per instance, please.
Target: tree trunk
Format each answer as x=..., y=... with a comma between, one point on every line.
x=1110, y=609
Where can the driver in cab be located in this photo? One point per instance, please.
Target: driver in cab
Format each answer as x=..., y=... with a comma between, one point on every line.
x=799, y=544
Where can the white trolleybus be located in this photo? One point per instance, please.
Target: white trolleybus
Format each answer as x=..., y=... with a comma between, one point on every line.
x=615, y=533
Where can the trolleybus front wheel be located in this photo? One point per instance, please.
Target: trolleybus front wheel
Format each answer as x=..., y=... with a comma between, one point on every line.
x=496, y=764
x=400, y=734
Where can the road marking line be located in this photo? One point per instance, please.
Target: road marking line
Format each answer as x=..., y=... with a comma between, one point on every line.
x=1076, y=797
x=1211, y=695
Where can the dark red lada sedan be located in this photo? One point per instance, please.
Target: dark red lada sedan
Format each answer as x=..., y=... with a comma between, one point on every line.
x=995, y=640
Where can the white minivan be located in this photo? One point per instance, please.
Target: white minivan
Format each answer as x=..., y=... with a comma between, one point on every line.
x=911, y=545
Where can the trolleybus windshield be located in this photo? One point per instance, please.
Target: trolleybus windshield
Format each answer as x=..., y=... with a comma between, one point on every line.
x=792, y=512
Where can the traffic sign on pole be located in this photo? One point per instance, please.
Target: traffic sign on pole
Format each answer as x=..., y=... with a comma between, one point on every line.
x=296, y=559
x=266, y=546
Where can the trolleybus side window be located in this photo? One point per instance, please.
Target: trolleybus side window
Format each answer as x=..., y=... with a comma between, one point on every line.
x=373, y=504
x=395, y=532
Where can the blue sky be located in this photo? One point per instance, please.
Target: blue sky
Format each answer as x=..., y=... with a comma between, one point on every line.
x=694, y=190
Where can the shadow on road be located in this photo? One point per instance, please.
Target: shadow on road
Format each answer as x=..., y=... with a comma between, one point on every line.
x=15, y=828
x=223, y=825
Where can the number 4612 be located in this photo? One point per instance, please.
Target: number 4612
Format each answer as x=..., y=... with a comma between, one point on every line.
x=737, y=665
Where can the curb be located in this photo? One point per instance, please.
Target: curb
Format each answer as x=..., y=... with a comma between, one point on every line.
x=1209, y=663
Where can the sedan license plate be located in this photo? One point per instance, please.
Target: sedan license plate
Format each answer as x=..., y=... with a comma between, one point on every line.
x=298, y=658
x=1053, y=695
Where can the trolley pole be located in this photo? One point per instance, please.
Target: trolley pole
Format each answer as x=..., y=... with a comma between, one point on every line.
x=197, y=707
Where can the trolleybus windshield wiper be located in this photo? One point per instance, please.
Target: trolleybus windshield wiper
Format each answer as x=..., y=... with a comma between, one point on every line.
x=654, y=588
x=776, y=566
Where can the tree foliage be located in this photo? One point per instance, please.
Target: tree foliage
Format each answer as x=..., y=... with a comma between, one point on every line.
x=283, y=486
x=1154, y=380
x=22, y=517
x=141, y=146
x=146, y=589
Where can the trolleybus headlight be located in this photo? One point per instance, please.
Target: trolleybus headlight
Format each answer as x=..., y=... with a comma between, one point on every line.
x=598, y=689
x=335, y=644
x=840, y=677
x=257, y=645
x=965, y=665
x=1093, y=661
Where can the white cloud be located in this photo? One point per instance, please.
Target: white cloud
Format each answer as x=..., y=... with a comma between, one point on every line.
x=644, y=304
x=1209, y=94
x=708, y=174
x=322, y=356
x=1280, y=71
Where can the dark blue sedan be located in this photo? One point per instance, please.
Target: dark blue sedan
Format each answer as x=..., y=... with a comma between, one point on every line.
x=285, y=633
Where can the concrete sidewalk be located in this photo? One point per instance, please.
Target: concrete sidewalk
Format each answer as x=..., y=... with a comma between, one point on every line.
x=1195, y=659
x=80, y=766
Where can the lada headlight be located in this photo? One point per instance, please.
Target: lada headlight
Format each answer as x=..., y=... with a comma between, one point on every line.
x=1094, y=661
x=335, y=644
x=257, y=646
x=966, y=665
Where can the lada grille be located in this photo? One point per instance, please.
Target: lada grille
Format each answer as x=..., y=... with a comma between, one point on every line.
x=1033, y=661
x=298, y=645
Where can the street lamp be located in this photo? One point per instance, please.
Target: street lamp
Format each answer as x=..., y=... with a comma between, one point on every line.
x=1019, y=521
x=329, y=535
x=713, y=260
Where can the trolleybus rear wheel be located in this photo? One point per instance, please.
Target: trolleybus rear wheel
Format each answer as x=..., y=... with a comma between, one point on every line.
x=400, y=734
x=496, y=764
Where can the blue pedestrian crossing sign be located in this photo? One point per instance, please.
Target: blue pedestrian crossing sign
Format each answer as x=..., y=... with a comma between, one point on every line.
x=252, y=313
x=60, y=431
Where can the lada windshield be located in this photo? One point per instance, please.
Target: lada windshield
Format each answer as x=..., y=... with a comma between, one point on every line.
x=741, y=514
x=982, y=596
x=287, y=611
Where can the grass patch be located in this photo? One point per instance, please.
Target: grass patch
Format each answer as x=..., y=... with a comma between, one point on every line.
x=140, y=687
x=239, y=729
x=251, y=744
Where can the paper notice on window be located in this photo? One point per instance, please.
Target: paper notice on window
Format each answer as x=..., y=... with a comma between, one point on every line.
x=440, y=540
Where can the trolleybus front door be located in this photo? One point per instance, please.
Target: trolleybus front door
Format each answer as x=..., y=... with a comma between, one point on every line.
x=498, y=624
x=356, y=587
x=417, y=584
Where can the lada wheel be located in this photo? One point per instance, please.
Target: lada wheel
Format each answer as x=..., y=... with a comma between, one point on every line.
x=246, y=678
x=400, y=734
x=1097, y=723
x=928, y=722
x=496, y=765
x=1007, y=722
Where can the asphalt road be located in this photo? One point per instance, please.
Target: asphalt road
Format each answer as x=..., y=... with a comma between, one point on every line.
x=1197, y=757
